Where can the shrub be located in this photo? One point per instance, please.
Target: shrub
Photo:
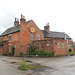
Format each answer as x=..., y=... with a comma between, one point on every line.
x=12, y=50
x=10, y=53
x=42, y=53
x=21, y=53
x=31, y=49
x=71, y=53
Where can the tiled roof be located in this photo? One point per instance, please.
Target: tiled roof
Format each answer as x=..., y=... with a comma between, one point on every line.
x=47, y=34
x=53, y=34
x=13, y=29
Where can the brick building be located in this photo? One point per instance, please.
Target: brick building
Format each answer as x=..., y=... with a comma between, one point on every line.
x=24, y=32
x=58, y=46
x=19, y=36
x=57, y=42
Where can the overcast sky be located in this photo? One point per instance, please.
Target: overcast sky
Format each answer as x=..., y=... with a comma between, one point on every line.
x=60, y=14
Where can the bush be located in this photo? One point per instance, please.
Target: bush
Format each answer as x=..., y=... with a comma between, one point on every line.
x=21, y=53
x=42, y=53
x=31, y=49
x=12, y=50
x=10, y=53
x=71, y=53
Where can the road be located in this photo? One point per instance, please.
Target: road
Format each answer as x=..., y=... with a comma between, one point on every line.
x=6, y=68
x=58, y=66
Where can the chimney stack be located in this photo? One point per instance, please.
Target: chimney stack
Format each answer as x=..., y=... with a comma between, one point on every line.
x=47, y=27
x=16, y=22
x=22, y=18
x=22, y=22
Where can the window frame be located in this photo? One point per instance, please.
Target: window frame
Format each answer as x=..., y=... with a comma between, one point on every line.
x=62, y=44
x=58, y=45
x=31, y=37
x=9, y=38
x=37, y=36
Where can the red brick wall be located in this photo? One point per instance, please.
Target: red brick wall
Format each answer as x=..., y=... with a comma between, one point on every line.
x=25, y=34
x=69, y=41
x=45, y=45
x=59, y=51
x=5, y=48
x=37, y=30
x=42, y=44
x=14, y=41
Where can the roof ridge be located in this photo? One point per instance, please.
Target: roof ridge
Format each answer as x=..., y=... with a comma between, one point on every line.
x=13, y=29
x=56, y=31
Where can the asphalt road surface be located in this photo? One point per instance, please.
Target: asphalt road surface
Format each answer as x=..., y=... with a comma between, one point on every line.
x=58, y=66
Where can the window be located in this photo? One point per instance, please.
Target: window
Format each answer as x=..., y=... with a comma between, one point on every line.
x=31, y=37
x=9, y=38
x=58, y=45
x=37, y=37
x=62, y=45
x=1, y=39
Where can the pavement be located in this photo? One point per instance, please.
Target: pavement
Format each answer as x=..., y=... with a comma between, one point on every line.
x=53, y=66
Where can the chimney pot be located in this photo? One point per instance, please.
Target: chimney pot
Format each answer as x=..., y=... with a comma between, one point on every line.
x=16, y=22
x=21, y=16
x=15, y=19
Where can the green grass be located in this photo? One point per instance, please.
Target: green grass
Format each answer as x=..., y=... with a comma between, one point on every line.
x=30, y=67
x=24, y=65
x=71, y=52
